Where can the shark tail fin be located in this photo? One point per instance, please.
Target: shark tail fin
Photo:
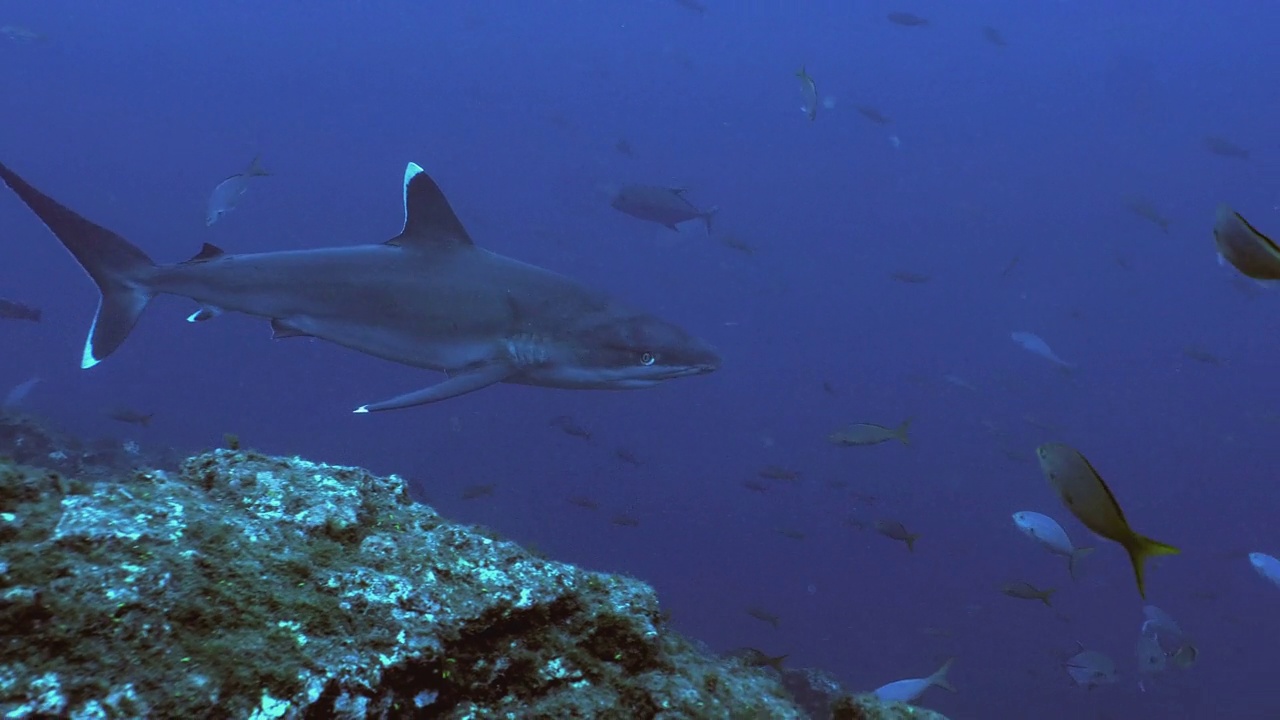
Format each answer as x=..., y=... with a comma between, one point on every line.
x=116, y=265
x=708, y=214
x=256, y=169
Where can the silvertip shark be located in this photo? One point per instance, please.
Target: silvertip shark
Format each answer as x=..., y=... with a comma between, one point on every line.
x=428, y=298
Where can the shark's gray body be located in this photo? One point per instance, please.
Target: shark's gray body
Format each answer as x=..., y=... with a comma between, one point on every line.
x=427, y=298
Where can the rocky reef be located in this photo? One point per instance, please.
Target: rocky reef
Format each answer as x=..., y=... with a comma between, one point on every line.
x=237, y=585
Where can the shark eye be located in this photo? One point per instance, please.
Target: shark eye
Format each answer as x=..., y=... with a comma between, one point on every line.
x=647, y=358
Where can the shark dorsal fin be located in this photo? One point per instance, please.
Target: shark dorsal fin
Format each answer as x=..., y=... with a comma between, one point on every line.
x=208, y=251
x=428, y=219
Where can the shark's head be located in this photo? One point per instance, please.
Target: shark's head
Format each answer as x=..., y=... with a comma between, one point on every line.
x=607, y=351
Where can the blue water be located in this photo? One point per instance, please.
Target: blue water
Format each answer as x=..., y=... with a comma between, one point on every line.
x=131, y=117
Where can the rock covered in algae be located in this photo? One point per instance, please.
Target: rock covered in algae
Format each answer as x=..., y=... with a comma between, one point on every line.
x=246, y=586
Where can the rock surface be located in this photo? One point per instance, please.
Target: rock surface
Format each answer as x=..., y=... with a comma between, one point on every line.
x=247, y=586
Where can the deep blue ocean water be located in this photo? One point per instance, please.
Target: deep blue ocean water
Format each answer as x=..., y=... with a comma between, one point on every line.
x=131, y=114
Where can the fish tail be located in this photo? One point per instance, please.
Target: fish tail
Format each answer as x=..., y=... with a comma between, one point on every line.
x=901, y=433
x=256, y=169
x=1140, y=549
x=939, y=677
x=1047, y=595
x=116, y=265
x=708, y=214
x=910, y=540
x=1075, y=557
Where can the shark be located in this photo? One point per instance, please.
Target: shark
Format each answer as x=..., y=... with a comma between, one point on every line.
x=428, y=298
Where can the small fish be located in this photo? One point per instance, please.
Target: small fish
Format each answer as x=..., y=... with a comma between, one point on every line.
x=1027, y=591
x=829, y=388
x=907, y=19
x=993, y=36
x=777, y=472
x=479, y=490
x=1169, y=640
x=735, y=243
x=229, y=191
x=665, y=206
x=895, y=530
x=1087, y=496
x=584, y=502
x=809, y=91
x=625, y=520
x=1267, y=566
x=870, y=434
x=752, y=657
x=18, y=394
x=623, y=147
x=627, y=457
x=1151, y=657
x=1046, y=531
x=1249, y=251
x=755, y=485
x=693, y=5
x=764, y=616
x=18, y=33
x=908, y=691
x=1199, y=354
x=1090, y=668
x=1146, y=210
x=960, y=382
x=873, y=114
x=1008, y=268
x=1036, y=345
x=791, y=534
x=1224, y=147
x=910, y=277
x=133, y=417
x=570, y=427
x=14, y=310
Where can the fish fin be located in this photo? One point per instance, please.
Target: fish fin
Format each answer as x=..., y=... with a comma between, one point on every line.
x=1075, y=557
x=939, y=677
x=671, y=226
x=1141, y=548
x=429, y=222
x=208, y=251
x=708, y=214
x=115, y=264
x=901, y=433
x=281, y=330
x=256, y=169
x=459, y=384
x=208, y=312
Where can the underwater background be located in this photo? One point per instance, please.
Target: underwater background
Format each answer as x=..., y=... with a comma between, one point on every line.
x=1061, y=181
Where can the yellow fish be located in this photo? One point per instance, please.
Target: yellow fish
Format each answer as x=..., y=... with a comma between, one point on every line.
x=1249, y=251
x=1090, y=500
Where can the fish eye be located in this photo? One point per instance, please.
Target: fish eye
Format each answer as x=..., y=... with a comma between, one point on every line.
x=647, y=358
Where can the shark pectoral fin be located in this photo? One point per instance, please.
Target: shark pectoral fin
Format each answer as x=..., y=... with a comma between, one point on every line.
x=460, y=384
x=281, y=330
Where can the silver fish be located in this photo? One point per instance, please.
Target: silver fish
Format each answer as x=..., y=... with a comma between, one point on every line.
x=228, y=192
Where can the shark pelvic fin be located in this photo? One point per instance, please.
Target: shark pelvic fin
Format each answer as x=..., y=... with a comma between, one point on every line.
x=281, y=330
x=429, y=222
x=460, y=384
